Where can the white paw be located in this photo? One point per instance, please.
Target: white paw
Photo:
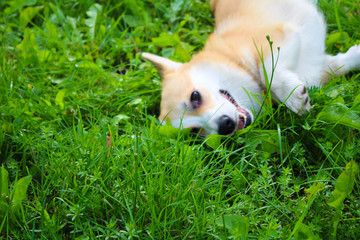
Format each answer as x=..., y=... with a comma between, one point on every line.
x=351, y=59
x=299, y=100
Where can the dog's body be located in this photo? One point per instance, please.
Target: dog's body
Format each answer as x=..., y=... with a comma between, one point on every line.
x=221, y=89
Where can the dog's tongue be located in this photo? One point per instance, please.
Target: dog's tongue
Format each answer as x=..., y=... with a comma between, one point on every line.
x=241, y=120
x=240, y=125
x=241, y=112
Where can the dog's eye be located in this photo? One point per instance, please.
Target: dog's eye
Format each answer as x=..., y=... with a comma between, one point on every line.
x=198, y=132
x=195, y=131
x=195, y=99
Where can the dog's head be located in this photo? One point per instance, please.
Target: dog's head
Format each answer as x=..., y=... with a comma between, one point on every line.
x=205, y=95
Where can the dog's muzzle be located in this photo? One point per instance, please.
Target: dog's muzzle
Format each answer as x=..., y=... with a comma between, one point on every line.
x=229, y=125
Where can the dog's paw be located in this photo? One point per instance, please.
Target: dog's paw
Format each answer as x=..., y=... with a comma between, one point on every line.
x=299, y=100
x=351, y=59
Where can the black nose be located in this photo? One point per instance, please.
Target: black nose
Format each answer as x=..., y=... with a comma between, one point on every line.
x=226, y=125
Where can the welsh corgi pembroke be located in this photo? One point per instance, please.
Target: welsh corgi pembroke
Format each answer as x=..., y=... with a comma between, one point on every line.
x=222, y=88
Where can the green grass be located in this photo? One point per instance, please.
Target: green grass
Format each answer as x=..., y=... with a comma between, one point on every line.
x=78, y=111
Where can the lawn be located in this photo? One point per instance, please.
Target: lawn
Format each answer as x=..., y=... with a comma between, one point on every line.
x=83, y=155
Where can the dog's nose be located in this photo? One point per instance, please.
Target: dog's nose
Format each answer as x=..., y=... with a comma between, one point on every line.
x=226, y=125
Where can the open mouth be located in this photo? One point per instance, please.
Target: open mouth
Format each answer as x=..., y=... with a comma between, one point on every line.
x=244, y=118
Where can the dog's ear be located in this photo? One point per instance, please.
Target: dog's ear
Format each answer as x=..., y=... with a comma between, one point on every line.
x=163, y=65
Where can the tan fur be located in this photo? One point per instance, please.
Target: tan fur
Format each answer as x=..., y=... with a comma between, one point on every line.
x=183, y=89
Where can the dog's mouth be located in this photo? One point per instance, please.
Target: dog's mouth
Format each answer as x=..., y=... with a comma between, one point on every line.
x=244, y=118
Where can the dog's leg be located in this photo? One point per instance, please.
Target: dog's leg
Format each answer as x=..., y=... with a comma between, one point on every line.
x=286, y=85
x=289, y=89
x=341, y=63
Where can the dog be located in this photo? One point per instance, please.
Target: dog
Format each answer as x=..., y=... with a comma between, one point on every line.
x=222, y=88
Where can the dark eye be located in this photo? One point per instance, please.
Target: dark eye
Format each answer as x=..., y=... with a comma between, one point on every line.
x=198, y=132
x=195, y=131
x=195, y=99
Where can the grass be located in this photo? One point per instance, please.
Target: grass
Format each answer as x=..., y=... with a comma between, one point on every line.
x=87, y=158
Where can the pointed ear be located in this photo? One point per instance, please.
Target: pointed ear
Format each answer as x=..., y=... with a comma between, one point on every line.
x=163, y=65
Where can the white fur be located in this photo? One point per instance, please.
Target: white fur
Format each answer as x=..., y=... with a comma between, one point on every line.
x=301, y=57
x=344, y=62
